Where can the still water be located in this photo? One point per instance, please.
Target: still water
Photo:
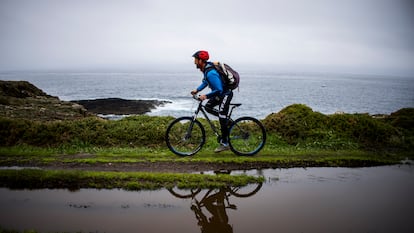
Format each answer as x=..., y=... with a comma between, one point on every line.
x=375, y=199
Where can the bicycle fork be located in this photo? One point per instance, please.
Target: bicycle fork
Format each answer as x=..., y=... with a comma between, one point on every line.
x=213, y=127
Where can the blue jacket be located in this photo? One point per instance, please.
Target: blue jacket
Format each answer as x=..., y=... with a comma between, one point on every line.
x=213, y=80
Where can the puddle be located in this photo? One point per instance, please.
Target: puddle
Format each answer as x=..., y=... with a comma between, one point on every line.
x=375, y=199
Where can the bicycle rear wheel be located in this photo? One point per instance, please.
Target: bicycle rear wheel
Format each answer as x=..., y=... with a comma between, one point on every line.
x=185, y=137
x=246, y=191
x=184, y=193
x=247, y=136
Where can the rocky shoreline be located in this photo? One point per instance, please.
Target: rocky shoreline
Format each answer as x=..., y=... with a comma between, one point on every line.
x=119, y=106
x=23, y=100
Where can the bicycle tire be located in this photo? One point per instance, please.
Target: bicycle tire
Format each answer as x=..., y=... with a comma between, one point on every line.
x=182, y=141
x=184, y=193
x=247, y=136
x=245, y=192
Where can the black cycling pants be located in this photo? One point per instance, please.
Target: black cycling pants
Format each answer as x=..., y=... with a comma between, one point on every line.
x=224, y=105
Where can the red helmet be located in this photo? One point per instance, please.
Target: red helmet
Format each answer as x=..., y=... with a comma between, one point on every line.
x=201, y=54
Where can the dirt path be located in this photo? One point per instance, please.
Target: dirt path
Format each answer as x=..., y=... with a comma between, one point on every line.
x=174, y=167
x=186, y=167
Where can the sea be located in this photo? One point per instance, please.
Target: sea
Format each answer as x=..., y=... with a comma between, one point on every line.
x=261, y=93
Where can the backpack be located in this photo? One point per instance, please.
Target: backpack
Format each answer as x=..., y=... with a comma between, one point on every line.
x=228, y=75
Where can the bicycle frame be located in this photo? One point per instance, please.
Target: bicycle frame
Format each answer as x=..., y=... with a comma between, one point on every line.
x=201, y=108
x=181, y=141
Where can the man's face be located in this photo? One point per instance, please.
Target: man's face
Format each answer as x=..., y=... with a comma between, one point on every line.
x=197, y=62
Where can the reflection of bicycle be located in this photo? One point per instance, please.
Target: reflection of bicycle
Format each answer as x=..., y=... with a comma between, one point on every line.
x=235, y=191
x=186, y=136
x=215, y=201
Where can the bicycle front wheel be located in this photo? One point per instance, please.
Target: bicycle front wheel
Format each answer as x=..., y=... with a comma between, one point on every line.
x=185, y=137
x=247, y=136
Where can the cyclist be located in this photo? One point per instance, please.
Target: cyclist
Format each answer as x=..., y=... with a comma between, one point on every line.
x=219, y=95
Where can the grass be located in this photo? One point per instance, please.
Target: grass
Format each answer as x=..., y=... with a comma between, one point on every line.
x=283, y=156
x=295, y=125
x=74, y=180
x=296, y=137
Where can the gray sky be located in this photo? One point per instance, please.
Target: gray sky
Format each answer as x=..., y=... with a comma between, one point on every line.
x=359, y=36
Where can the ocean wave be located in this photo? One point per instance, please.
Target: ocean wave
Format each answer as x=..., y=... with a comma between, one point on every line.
x=177, y=107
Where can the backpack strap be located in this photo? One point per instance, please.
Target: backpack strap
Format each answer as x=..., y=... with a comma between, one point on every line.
x=209, y=67
x=216, y=66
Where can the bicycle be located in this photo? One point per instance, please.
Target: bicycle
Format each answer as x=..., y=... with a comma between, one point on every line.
x=237, y=191
x=185, y=136
x=210, y=206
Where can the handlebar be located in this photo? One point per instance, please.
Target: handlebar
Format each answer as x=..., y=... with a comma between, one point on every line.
x=196, y=97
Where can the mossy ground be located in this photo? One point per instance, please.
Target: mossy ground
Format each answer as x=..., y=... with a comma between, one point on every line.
x=297, y=136
x=74, y=180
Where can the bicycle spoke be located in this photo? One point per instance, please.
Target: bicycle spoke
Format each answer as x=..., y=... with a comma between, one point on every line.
x=185, y=137
x=247, y=136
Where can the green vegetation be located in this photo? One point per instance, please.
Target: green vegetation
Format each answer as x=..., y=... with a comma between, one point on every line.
x=74, y=180
x=297, y=136
x=296, y=125
x=299, y=125
x=273, y=155
x=134, y=131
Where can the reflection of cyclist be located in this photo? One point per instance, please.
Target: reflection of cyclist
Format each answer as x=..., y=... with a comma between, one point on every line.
x=219, y=95
x=216, y=201
x=219, y=221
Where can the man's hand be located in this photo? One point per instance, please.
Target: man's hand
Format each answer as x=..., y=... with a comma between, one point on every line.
x=202, y=97
x=193, y=92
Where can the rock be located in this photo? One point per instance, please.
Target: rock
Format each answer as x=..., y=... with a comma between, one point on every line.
x=20, y=89
x=119, y=106
x=23, y=100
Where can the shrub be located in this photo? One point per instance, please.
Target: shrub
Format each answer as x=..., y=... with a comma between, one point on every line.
x=132, y=131
x=403, y=118
x=298, y=124
x=295, y=123
x=366, y=130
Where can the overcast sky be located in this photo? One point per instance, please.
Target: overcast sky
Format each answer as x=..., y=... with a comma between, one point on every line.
x=356, y=36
